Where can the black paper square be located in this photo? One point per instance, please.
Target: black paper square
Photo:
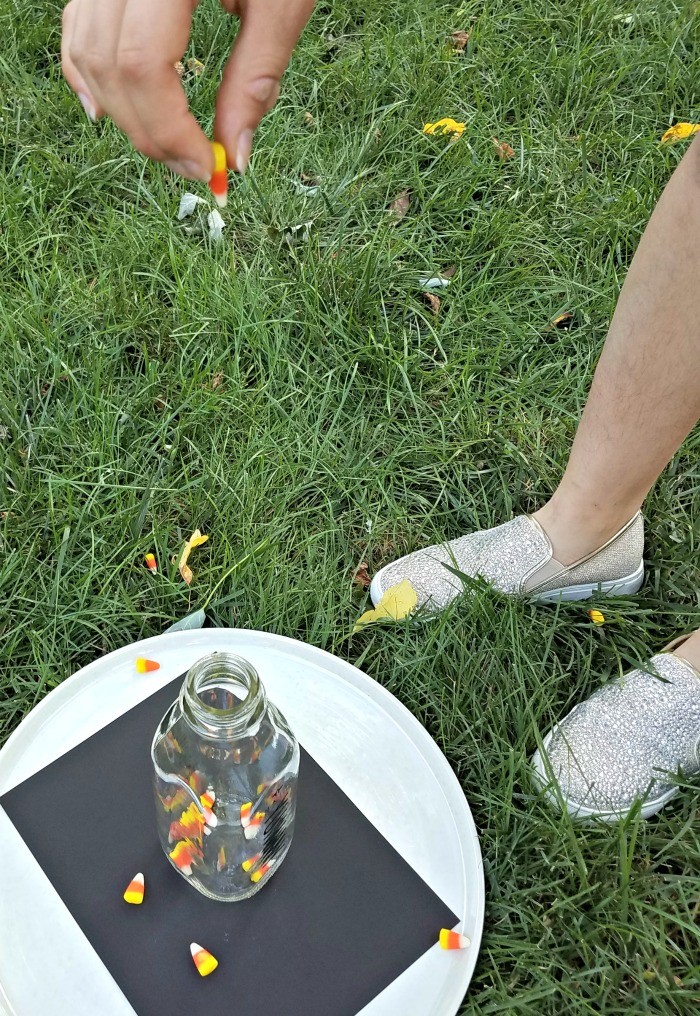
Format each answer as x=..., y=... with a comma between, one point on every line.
x=343, y=917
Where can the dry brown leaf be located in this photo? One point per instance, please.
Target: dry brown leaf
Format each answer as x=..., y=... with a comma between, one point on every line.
x=400, y=205
x=180, y=68
x=503, y=149
x=186, y=573
x=362, y=577
x=433, y=301
x=448, y=273
x=216, y=381
x=459, y=40
x=309, y=120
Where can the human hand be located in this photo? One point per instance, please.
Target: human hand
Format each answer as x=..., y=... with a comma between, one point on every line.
x=119, y=57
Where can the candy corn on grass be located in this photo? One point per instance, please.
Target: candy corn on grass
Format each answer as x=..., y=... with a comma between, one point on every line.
x=152, y=383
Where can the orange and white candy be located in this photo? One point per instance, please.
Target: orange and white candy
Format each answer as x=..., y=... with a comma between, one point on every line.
x=261, y=872
x=251, y=862
x=207, y=801
x=453, y=940
x=144, y=666
x=183, y=856
x=203, y=960
x=218, y=182
x=246, y=811
x=135, y=890
x=151, y=564
x=251, y=830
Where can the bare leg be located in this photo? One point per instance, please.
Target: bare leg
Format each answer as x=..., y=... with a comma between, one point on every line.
x=645, y=396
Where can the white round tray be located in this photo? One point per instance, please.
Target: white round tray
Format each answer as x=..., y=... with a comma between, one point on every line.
x=369, y=743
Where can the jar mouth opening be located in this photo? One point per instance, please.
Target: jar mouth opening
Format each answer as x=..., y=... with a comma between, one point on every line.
x=221, y=689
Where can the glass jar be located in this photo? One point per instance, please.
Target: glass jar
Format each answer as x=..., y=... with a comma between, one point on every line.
x=225, y=773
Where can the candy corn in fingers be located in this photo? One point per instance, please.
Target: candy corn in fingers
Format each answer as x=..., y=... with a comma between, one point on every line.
x=218, y=182
x=453, y=940
x=135, y=889
x=203, y=960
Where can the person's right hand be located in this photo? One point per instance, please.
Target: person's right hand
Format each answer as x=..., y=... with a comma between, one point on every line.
x=119, y=57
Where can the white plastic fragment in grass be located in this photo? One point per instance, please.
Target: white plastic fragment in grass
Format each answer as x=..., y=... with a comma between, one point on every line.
x=437, y=282
x=305, y=190
x=216, y=224
x=188, y=203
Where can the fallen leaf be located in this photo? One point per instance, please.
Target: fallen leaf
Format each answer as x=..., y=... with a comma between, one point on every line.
x=180, y=68
x=445, y=126
x=503, y=149
x=188, y=203
x=396, y=603
x=216, y=224
x=195, y=66
x=362, y=577
x=216, y=381
x=679, y=132
x=433, y=301
x=447, y=273
x=436, y=282
x=309, y=120
x=159, y=403
x=196, y=540
x=195, y=620
x=400, y=205
x=459, y=40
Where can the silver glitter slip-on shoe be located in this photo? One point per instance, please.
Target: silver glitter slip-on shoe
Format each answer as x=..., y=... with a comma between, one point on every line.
x=625, y=743
x=517, y=558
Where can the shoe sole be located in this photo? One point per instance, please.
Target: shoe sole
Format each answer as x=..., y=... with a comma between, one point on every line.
x=614, y=587
x=582, y=812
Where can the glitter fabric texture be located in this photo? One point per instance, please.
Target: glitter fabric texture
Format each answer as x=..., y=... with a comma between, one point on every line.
x=616, y=560
x=502, y=556
x=623, y=742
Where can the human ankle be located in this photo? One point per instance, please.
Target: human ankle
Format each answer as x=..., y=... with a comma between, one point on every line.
x=690, y=650
x=574, y=534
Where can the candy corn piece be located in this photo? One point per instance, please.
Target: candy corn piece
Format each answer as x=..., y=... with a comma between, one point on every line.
x=251, y=862
x=182, y=857
x=221, y=859
x=246, y=810
x=218, y=183
x=204, y=961
x=253, y=827
x=452, y=940
x=150, y=560
x=261, y=872
x=207, y=800
x=144, y=666
x=135, y=889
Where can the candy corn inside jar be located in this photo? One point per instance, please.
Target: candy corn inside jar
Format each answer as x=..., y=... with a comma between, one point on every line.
x=225, y=779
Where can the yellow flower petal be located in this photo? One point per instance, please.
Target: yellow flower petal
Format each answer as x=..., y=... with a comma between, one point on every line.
x=397, y=602
x=196, y=540
x=679, y=132
x=596, y=617
x=445, y=126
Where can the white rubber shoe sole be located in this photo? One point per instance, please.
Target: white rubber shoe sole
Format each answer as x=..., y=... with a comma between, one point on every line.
x=543, y=782
x=615, y=587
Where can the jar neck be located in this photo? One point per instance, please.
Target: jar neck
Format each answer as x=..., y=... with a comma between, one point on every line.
x=222, y=696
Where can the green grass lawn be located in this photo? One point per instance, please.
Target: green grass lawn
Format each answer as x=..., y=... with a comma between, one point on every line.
x=308, y=398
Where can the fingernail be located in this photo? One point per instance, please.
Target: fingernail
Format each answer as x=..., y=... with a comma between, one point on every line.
x=88, y=105
x=189, y=168
x=245, y=143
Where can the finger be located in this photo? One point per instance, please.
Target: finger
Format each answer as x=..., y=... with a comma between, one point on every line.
x=153, y=38
x=93, y=51
x=251, y=81
x=70, y=72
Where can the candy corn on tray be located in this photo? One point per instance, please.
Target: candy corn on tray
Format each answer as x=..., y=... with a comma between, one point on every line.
x=385, y=860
